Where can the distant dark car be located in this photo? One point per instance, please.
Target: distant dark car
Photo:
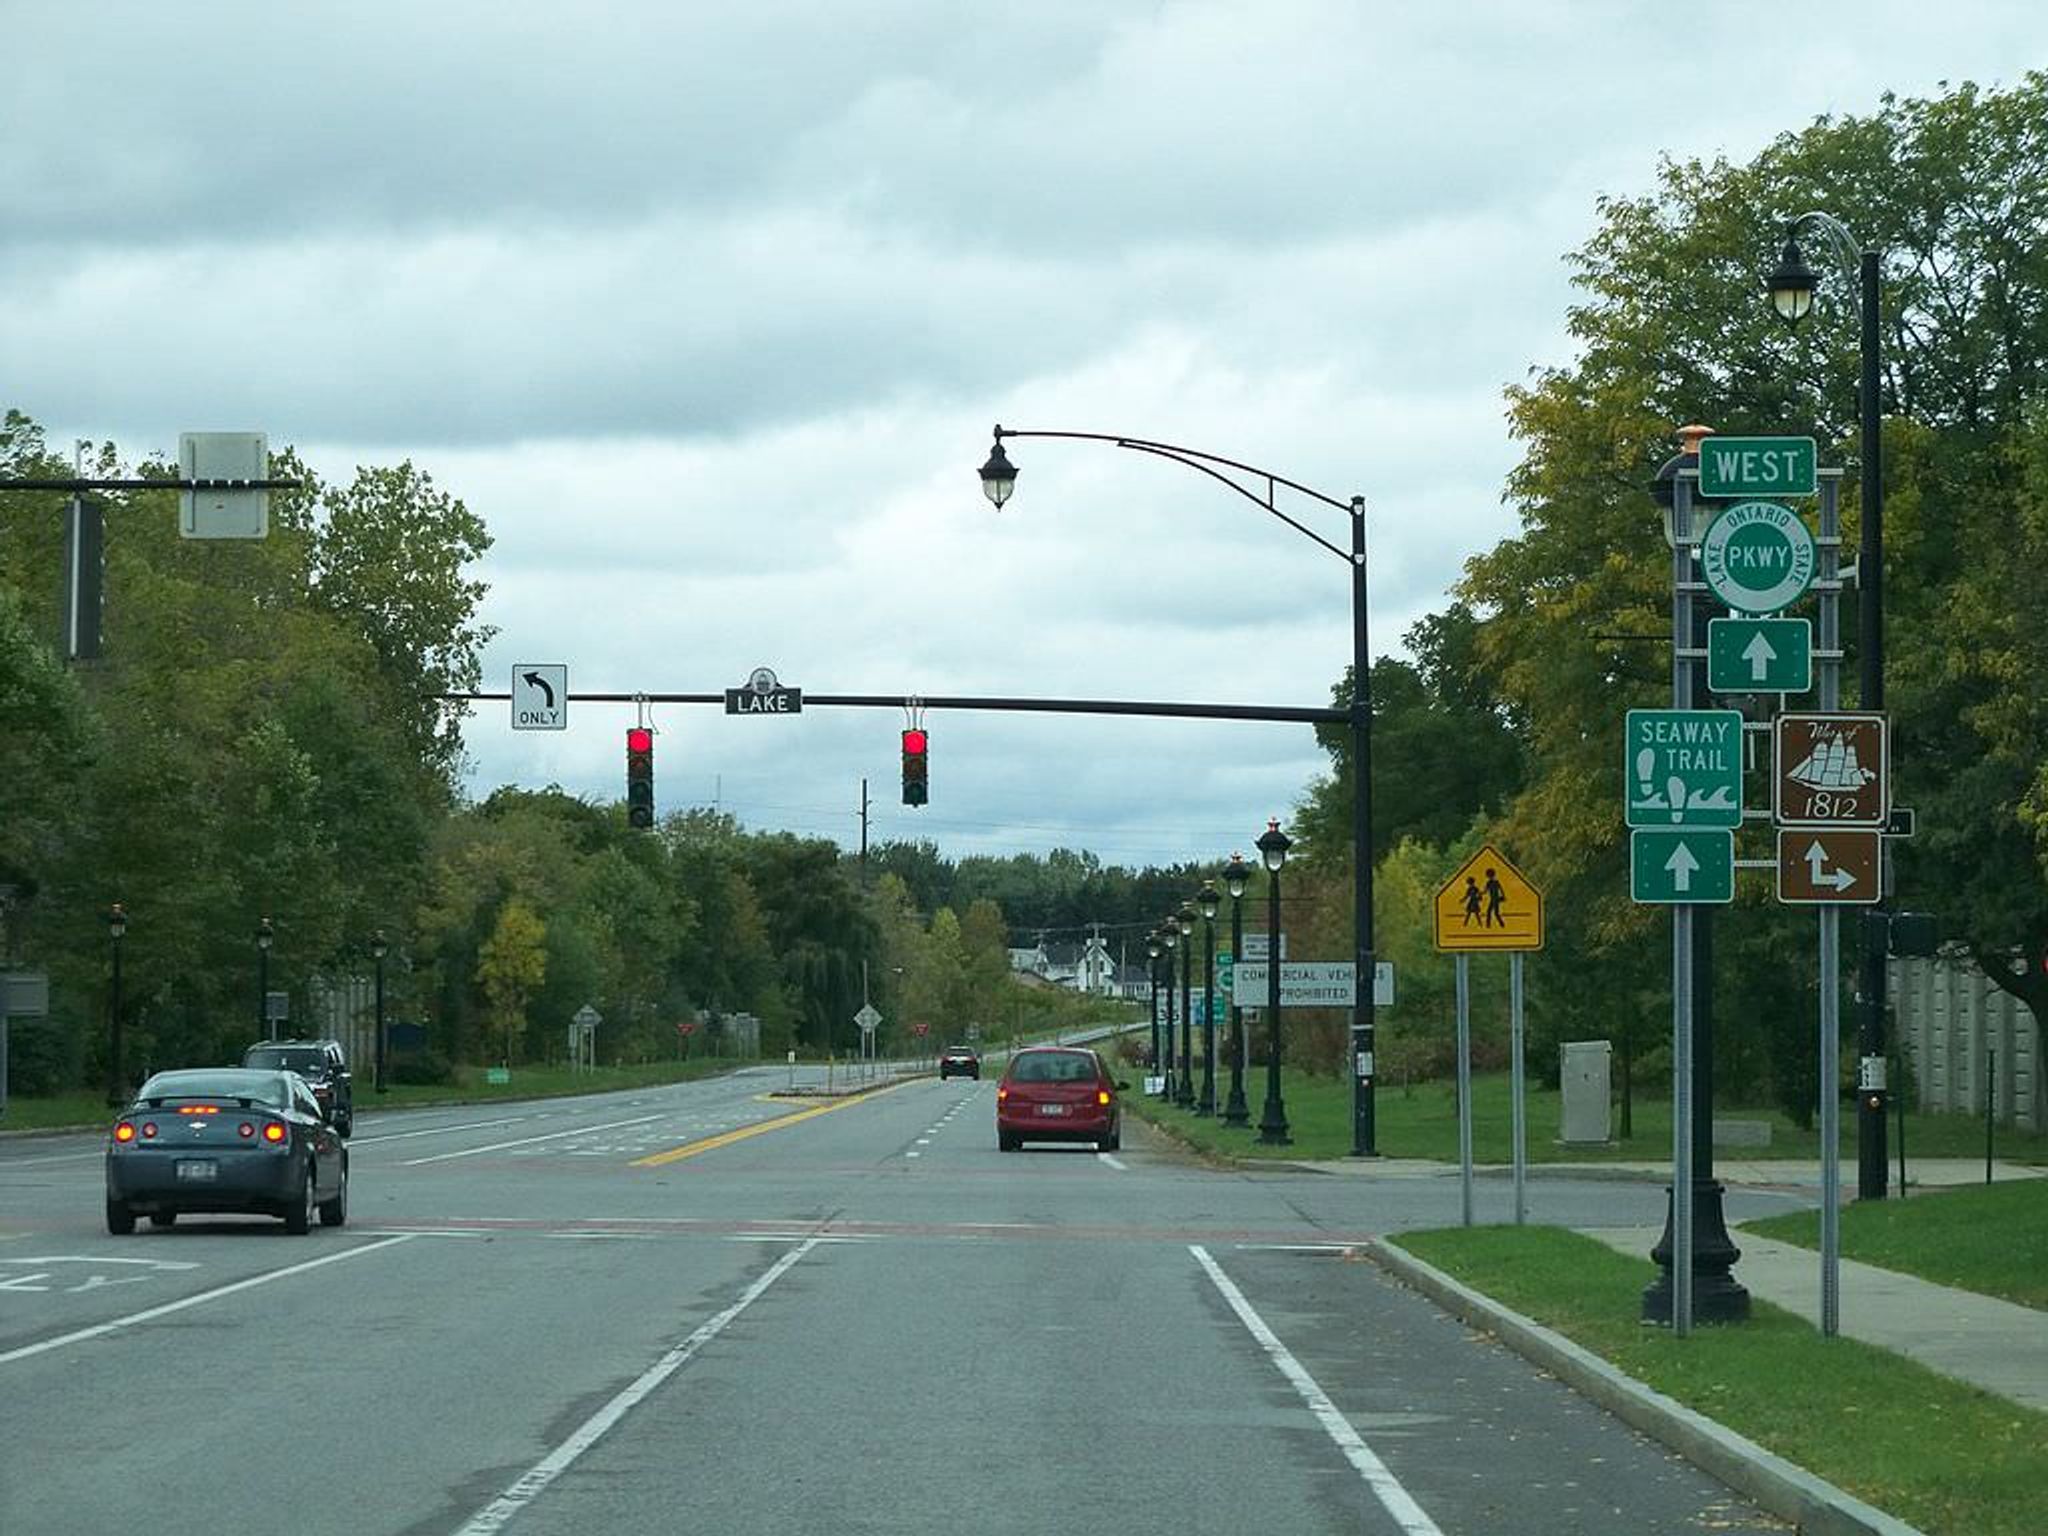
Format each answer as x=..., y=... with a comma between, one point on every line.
x=1058, y=1093
x=959, y=1061
x=225, y=1139
x=322, y=1064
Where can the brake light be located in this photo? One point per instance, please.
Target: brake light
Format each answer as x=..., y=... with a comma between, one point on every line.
x=273, y=1132
x=1002, y=1092
x=125, y=1131
x=1102, y=1095
x=198, y=1109
x=247, y=1130
x=149, y=1130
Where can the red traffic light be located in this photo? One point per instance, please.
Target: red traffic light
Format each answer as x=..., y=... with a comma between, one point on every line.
x=639, y=739
x=913, y=743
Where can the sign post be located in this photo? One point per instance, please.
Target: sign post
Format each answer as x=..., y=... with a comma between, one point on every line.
x=1489, y=905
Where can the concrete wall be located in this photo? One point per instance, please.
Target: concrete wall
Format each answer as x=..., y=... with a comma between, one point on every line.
x=1948, y=1016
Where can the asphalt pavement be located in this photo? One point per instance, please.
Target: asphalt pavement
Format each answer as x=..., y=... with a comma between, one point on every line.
x=704, y=1306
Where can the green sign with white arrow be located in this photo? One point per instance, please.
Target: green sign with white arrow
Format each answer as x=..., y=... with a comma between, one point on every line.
x=1759, y=655
x=1666, y=868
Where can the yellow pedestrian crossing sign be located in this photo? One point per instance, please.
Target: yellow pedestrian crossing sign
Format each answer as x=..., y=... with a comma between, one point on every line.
x=1489, y=905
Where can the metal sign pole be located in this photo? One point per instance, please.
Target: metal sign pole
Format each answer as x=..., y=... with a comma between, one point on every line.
x=1465, y=1086
x=1517, y=1086
x=1829, y=585
x=1683, y=545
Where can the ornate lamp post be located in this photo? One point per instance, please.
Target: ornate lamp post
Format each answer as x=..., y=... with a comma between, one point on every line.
x=1273, y=845
x=1236, y=875
x=1169, y=936
x=264, y=934
x=1206, y=899
x=378, y=949
x=1184, y=1093
x=1791, y=287
x=117, y=1076
x=1261, y=487
x=1152, y=950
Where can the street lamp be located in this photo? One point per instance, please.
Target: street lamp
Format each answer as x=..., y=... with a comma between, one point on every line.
x=1206, y=899
x=1152, y=951
x=1791, y=288
x=1273, y=845
x=1184, y=920
x=1236, y=876
x=1169, y=935
x=264, y=1024
x=378, y=949
x=117, y=1078
x=999, y=483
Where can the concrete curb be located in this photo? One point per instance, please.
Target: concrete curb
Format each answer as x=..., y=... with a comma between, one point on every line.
x=1816, y=1506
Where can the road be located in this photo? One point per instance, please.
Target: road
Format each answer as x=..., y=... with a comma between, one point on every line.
x=699, y=1307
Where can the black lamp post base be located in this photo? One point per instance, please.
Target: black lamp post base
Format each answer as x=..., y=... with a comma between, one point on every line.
x=1273, y=1129
x=1717, y=1297
x=1235, y=1112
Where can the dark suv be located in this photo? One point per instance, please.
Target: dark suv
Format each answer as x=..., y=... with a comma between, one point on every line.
x=324, y=1067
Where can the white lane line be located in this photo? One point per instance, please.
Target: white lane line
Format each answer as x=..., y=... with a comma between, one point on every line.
x=1116, y=1163
x=99, y=1330
x=526, y=1141
x=44, y=1162
x=493, y=1516
x=638, y=1237
x=438, y=1130
x=1296, y=1247
x=1385, y=1486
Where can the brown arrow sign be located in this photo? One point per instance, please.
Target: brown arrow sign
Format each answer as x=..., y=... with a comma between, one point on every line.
x=1828, y=864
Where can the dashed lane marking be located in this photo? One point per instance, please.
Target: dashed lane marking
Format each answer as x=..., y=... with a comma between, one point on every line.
x=526, y=1141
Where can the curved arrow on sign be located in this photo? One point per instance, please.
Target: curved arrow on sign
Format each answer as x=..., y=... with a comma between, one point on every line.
x=535, y=680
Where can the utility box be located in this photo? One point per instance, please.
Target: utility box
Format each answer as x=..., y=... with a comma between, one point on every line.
x=1586, y=1088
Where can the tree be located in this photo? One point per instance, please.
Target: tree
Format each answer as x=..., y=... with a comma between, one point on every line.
x=510, y=968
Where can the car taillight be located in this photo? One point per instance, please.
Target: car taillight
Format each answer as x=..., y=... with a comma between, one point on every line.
x=125, y=1131
x=199, y=1109
x=273, y=1132
x=1102, y=1095
x=247, y=1130
x=149, y=1130
x=1002, y=1092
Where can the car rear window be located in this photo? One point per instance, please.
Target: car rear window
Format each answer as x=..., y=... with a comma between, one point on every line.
x=225, y=1083
x=287, y=1061
x=1050, y=1067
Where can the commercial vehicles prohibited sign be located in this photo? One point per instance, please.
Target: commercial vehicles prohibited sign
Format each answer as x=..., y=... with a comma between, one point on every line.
x=1757, y=556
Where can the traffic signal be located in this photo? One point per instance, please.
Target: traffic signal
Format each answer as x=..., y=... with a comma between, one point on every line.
x=639, y=777
x=916, y=762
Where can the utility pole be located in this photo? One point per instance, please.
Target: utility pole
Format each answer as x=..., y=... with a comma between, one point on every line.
x=864, y=803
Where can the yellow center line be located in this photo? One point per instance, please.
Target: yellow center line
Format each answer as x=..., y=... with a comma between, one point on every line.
x=727, y=1138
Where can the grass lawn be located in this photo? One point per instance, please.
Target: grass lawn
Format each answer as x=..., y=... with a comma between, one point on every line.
x=1992, y=1239
x=1945, y=1457
x=1421, y=1120
x=89, y=1110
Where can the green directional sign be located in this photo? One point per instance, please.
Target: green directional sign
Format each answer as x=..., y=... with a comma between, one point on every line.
x=1759, y=655
x=1757, y=466
x=1683, y=768
x=1757, y=556
x=1666, y=868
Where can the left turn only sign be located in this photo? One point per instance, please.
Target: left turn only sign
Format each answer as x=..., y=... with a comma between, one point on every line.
x=540, y=696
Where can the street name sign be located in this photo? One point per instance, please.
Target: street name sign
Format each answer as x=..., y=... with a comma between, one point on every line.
x=540, y=696
x=1310, y=984
x=1758, y=466
x=1759, y=655
x=1684, y=768
x=1488, y=904
x=1830, y=770
x=1757, y=556
x=1669, y=867
x=1829, y=864
x=764, y=695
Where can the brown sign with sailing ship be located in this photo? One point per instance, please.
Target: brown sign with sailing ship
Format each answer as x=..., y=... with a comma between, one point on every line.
x=1830, y=770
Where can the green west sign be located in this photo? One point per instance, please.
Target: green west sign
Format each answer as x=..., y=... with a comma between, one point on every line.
x=1757, y=466
x=1757, y=556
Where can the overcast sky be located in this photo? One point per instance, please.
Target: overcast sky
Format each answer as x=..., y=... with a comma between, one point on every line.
x=707, y=310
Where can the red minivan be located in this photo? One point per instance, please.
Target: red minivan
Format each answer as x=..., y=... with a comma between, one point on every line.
x=1058, y=1093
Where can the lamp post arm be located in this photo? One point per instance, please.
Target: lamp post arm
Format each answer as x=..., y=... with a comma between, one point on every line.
x=1208, y=464
x=1840, y=241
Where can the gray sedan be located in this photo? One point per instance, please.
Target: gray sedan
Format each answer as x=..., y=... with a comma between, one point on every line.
x=225, y=1139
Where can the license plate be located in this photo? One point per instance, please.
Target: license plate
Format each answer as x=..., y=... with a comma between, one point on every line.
x=1052, y=1109
x=198, y=1171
